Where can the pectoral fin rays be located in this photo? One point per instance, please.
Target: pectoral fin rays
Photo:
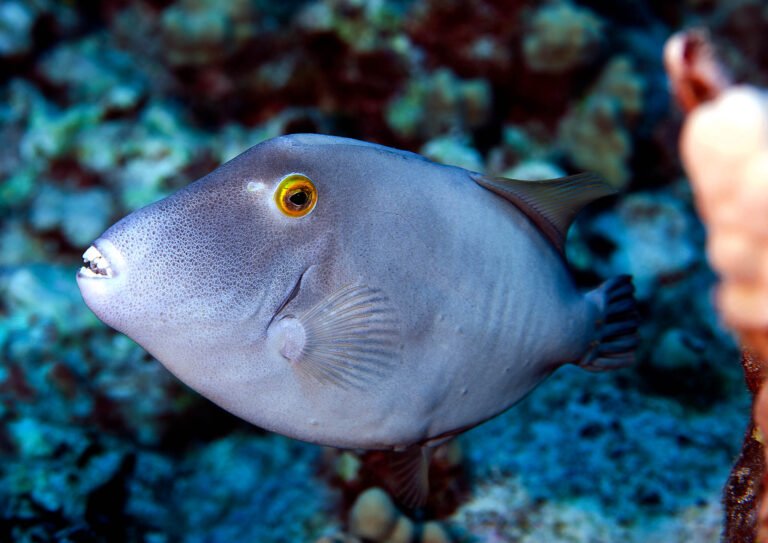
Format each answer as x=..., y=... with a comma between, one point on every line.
x=351, y=338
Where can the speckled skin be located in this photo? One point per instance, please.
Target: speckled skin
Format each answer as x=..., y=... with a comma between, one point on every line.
x=485, y=305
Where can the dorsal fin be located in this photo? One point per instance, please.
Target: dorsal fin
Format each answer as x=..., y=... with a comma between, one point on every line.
x=551, y=204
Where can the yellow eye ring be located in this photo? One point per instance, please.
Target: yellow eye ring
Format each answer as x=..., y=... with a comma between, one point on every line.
x=296, y=195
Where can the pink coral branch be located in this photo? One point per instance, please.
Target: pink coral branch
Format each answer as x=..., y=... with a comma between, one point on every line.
x=694, y=72
x=724, y=147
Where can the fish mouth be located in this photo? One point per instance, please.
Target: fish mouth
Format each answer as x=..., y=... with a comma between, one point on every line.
x=95, y=265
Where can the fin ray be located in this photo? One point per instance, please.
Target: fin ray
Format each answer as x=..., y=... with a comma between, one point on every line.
x=616, y=335
x=351, y=337
x=409, y=480
x=552, y=204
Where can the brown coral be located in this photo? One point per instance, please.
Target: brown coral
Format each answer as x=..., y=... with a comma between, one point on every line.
x=744, y=486
x=240, y=65
x=475, y=38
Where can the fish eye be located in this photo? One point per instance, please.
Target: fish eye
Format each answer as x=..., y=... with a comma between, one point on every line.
x=296, y=195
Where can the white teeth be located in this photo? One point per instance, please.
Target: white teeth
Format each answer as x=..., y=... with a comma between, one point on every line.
x=91, y=253
x=95, y=264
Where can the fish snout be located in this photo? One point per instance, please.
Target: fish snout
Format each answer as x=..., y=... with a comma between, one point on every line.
x=101, y=280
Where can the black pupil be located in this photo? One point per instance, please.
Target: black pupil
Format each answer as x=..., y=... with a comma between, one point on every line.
x=300, y=198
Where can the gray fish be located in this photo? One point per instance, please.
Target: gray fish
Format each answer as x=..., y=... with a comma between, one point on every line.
x=357, y=296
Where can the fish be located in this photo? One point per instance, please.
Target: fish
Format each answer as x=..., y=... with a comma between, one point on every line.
x=357, y=296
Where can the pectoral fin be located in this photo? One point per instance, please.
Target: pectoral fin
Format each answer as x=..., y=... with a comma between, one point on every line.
x=349, y=339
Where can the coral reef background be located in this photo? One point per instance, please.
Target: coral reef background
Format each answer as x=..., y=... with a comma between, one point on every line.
x=107, y=106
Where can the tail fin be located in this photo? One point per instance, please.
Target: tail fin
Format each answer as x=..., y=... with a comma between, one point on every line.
x=616, y=330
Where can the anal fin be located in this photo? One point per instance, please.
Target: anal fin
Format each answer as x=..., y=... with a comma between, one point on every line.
x=409, y=475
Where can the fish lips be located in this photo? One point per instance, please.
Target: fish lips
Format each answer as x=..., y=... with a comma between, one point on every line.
x=101, y=274
x=96, y=264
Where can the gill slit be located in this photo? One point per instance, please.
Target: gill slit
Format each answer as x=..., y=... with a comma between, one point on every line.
x=288, y=299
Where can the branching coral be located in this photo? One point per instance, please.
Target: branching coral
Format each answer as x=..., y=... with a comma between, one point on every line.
x=437, y=103
x=26, y=27
x=562, y=37
x=724, y=146
x=16, y=22
x=198, y=32
x=738, y=27
x=596, y=133
x=480, y=34
x=653, y=236
x=244, y=62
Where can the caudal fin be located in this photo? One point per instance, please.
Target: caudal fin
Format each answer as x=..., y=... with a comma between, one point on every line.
x=616, y=331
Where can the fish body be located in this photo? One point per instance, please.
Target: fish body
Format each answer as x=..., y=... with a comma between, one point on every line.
x=413, y=301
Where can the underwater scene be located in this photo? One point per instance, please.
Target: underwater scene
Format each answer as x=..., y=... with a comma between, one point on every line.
x=109, y=106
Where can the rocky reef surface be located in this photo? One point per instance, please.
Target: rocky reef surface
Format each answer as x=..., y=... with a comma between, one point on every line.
x=108, y=106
